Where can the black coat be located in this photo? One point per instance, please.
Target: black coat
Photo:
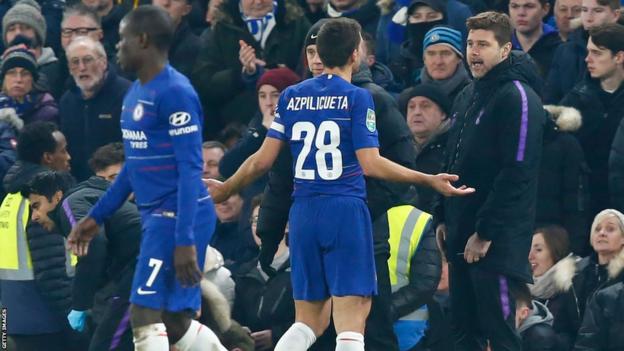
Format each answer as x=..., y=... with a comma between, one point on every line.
x=562, y=196
x=90, y=124
x=567, y=68
x=184, y=49
x=395, y=144
x=10, y=124
x=430, y=160
x=616, y=169
x=495, y=146
x=110, y=28
x=602, y=113
x=603, y=323
x=112, y=252
x=543, y=49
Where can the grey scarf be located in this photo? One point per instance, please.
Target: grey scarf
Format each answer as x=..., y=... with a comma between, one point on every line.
x=447, y=85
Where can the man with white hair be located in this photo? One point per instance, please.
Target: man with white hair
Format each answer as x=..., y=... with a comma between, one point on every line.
x=92, y=106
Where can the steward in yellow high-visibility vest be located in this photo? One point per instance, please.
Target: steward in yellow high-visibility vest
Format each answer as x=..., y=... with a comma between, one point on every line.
x=414, y=267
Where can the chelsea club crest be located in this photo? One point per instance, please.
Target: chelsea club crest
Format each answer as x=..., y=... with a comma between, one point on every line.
x=137, y=114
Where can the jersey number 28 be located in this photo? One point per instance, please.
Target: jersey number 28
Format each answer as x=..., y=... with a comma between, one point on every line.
x=308, y=132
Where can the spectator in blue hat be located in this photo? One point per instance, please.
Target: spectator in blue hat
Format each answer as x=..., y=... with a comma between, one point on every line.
x=443, y=58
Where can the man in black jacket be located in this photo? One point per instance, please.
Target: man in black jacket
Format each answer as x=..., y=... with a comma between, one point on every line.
x=103, y=278
x=598, y=97
x=495, y=147
x=37, y=296
x=568, y=63
x=90, y=110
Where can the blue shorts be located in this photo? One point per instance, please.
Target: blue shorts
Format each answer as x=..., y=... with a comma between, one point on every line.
x=331, y=248
x=155, y=285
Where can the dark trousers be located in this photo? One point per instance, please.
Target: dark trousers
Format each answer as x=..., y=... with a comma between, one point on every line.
x=483, y=309
x=379, y=334
x=38, y=342
x=114, y=331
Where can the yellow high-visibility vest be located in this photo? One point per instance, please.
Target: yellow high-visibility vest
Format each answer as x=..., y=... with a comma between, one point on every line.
x=406, y=225
x=15, y=261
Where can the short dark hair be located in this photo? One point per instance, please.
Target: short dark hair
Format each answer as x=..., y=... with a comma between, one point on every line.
x=80, y=9
x=499, y=23
x=257, y=201
x=106, y=156
x=612, y=4
x=609, y=36
x=153, y=21
x=521, y=294
x=48, y=183
x=35, y=140
x=370, y=43
x=336, y=41
x=556, y=239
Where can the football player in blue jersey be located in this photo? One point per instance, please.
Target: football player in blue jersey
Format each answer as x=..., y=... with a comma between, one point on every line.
x=330, y=127
x=161, y=125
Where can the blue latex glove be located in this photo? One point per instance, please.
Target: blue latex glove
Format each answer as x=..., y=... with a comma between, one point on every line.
x=77, y=320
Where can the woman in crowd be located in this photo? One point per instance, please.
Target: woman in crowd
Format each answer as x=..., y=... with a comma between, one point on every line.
x=553, y=269
x=18, y=73
x=604, y=316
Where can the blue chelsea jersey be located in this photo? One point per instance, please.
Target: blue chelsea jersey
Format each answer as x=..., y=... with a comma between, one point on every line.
x=161, y=124
x=325, y=120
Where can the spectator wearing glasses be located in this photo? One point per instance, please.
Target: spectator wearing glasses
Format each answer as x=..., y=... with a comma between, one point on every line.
x=90, y=109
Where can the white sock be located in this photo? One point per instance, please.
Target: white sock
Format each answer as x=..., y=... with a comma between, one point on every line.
x=350, y=341
x=199, y=337
x=299, y=337
x=151, y=337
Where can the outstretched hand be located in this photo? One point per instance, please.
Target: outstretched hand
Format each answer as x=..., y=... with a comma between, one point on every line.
x=442, y=184
x=81, y=235
x=218, y=190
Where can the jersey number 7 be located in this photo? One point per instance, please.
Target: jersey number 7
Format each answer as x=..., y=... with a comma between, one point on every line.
x=323, y=149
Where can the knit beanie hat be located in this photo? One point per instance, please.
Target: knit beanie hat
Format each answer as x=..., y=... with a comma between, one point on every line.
x=310, y=38
x=280, y=78
x=19, y=58
x=446, y=36
x=431, y=92
x=26, y=12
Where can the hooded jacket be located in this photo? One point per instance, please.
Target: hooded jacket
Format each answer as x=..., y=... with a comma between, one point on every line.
x=217, y=72
x=430, y=159
x=395, y=143
x=555, y=290
x=604, y=317
x=562, y=195
x=543, y=49
x=112, y=252
x=91, y=123
x=567, y=67
x=495, y=146
x=37, y=306
x=536, y=331
x=602, y=113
